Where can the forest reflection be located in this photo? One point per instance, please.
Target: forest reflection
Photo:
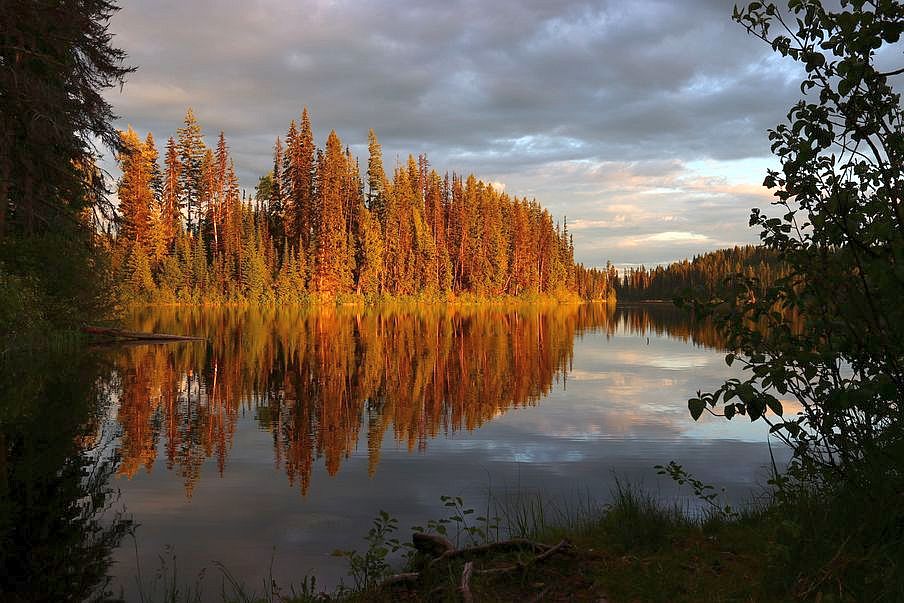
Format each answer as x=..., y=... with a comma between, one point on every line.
x=320, y=380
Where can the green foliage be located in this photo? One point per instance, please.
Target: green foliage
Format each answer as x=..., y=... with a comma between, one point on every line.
x=706, y=493
x=827, y=337
x=57, y=60
x=64, y=278
x=20, y=308
x=369, y=568
x=137, y=283
x=830, y=333
x=479, y=530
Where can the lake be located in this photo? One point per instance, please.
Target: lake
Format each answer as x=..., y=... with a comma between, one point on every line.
x=279, y=438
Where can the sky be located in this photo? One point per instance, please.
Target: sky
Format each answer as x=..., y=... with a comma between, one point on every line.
x=643, y=123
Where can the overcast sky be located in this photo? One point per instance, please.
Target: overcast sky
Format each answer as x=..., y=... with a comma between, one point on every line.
x=642, y=122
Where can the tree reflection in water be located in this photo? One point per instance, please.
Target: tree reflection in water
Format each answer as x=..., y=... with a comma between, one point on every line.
x=315, y=378
x=58, y=524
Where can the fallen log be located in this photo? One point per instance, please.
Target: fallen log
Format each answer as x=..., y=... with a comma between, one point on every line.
x=492, y=548
x=137, y=335
x=428, y=543
x=563, y=545
x=405, y=578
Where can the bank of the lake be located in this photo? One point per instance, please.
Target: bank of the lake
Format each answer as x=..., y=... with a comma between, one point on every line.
x=789, y=545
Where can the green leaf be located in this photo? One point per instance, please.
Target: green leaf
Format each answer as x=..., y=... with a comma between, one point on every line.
x=696, y=406
x=845, y=86
x=755, y=408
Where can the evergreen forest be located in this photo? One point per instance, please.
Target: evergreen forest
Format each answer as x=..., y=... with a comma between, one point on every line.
x=313, y=228
x=708, y=274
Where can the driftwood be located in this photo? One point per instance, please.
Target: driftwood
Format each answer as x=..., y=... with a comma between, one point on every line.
x=550, y=551
x=465, y=587
x=137, y=335
x=493, y=547
x=442, y=550
x=401, y=579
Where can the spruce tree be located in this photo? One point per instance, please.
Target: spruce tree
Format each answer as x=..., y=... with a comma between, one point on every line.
x=376, y=178
x=134, y=189
x=172, y=193
x=305, y=182
x=56, y=61
x=332, y=271
x=191, y=158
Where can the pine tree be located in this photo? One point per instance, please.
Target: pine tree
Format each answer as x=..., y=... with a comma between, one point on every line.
x=436, y=218
x=134, y=189
x=255, y=277
x=172, y=193
x=275, y=203
x=152, y=157
x=156, y=243
x=206, y=215
x=219, y=205
x=304, y=183
x=370, y=264
x=332, y=272
x=399, y=235
x=140, y=282
x=56, y=61
x=288, y=180
x=191, y=158
x=376, y=178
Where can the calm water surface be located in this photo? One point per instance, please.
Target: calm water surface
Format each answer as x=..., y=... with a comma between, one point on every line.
x=279, y=438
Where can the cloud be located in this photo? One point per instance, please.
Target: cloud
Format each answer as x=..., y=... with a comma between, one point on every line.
x=674, y=235
x=583, y=105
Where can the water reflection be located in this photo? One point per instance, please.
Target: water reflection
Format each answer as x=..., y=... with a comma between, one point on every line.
x=57, y=528
x=315, y=379
x=357, y=409
x=366, y=409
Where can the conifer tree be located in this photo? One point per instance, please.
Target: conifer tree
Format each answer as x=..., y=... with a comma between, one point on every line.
x=134, y=189
x=436, y=218
x=172, y=193
x=140, y=282
x=332, y=272
x=152, y=157
x=207, y=210
x=370, y=264
x=156, y=243
x=191, y=158
x=275, y=202
x=218, y=203
x=56, y=60
x=288, y=180
x=376, y=178
x=304, y=183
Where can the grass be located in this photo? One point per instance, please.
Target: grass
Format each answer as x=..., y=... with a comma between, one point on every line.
x=636, y=548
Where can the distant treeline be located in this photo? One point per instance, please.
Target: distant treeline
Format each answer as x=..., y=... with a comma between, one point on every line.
x=314, y=228
x=705, y=274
